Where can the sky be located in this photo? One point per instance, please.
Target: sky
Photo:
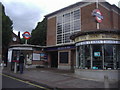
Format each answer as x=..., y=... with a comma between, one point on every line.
x=25, y=14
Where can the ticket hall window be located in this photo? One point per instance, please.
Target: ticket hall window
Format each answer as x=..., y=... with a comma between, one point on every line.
x=67, y=24
x=63, y=56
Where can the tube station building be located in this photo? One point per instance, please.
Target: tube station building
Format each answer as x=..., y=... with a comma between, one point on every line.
x=84, y=37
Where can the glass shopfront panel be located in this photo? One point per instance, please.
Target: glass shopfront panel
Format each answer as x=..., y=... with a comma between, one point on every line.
x=87, y=57
x=118, y=56
x=108, y=49
x=84, y=57
x=98, y=56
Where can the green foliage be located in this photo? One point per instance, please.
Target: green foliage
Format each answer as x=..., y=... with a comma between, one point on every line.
x=6, y=29
x=38, y=35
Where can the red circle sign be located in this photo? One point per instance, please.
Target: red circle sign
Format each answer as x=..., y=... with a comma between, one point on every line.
x=26, y=35
x=98, y=18
x=98, y=15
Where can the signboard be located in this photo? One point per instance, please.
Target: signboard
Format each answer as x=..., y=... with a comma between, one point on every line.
x=98, y=15
x=26, y=35
x=60, y=48
x=43, y=56
x=39, y=56
x=97, y=37
x=98, y=42
x=36, y=56
x=97, y=54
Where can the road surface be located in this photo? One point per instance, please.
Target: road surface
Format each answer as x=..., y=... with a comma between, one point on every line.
x=12, y=82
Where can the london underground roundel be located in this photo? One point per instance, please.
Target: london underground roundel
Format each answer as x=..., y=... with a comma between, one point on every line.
x=98, y=15
x=26, y=35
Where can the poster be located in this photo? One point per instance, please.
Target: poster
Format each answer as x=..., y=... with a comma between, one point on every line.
x=36, y=56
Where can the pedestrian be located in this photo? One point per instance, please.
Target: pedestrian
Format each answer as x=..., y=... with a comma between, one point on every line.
x=21, y=62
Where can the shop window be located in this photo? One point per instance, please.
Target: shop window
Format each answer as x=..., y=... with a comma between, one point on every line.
x=87, y=57
x=118, y=56
x=108, y=57
x=63, y=57
x=97, y=57
x=82, y=57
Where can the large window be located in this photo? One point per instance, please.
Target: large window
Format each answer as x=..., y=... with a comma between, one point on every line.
x=67, y=24
x=84, y=57
x=63, y=57
x=118, y=56
x=108, y=56
x=98, y=56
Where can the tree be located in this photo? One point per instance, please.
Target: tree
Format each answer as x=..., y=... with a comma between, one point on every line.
x=6, y=29
x=6, y=33
x=38, y=35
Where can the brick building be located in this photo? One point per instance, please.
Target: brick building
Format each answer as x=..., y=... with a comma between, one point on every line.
x=90, y=40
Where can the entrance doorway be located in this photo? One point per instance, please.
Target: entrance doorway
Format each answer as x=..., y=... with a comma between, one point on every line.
x=16, y=54
x=54, y=59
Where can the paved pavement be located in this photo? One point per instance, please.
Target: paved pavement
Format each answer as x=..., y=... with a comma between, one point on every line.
x=55, y=78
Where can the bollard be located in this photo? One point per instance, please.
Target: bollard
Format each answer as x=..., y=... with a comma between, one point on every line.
x=15, y=67
x=106, y=82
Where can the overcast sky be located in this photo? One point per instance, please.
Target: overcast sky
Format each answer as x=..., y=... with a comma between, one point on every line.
x=25, y=14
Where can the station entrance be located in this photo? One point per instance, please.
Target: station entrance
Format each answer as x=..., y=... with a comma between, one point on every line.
x=54, y=59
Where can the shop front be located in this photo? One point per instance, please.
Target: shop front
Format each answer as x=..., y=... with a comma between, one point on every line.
x=99, y=54
x=97, y=51
x=34, y=56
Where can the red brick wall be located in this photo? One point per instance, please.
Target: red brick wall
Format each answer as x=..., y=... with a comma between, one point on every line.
x=37, y=63
x=107, y=18
x=51, y=31
x=115, y=20
x=87, y=20
x=110, y=20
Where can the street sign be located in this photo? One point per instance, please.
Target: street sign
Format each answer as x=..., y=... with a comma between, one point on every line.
x=26, y=35
x=98, y=15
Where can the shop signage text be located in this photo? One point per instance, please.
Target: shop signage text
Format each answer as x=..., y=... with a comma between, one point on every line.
x=97, y=37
